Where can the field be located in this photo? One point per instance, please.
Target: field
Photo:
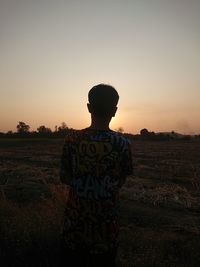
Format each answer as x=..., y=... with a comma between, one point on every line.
x=160, y=204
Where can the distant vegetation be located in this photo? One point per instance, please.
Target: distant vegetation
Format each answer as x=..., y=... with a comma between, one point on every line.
x=162, y=136
x=23, y=130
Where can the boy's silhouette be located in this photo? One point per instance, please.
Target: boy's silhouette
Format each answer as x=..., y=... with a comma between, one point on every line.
x=95, y=163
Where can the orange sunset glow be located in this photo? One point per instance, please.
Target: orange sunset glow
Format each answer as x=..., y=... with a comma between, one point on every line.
x=53, y=52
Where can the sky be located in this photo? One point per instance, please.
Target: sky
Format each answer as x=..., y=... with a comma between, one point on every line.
x=52, y=52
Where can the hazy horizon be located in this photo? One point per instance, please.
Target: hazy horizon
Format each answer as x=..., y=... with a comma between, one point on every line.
x=119, y=128
x=53, y=52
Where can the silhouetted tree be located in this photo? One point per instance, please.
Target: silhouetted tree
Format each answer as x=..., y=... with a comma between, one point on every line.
x=62, y=127
x=144, y=132
x=62, y=130
x=120, y=130
x=22, y=127
x=43, y=130
x=146, y=135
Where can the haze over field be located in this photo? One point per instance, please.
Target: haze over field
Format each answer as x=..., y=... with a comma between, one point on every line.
x=53, y=52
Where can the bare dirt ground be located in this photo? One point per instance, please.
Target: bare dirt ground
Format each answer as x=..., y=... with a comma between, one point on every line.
x=160, y=204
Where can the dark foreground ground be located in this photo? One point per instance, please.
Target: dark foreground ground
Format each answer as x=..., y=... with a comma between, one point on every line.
x=160, y=204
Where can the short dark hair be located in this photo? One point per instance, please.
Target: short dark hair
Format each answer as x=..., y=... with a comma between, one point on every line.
x=103, y=98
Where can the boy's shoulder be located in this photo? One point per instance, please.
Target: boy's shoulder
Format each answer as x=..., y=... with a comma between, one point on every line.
x=73, y=134
x=119, y=135
x=87, y=133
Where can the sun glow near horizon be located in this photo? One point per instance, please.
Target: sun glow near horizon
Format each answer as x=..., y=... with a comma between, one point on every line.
x=53, y=52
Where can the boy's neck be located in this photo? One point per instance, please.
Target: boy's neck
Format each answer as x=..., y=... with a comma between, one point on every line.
x=100, y=124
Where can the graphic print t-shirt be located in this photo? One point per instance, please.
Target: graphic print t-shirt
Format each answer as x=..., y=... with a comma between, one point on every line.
x=95, y=165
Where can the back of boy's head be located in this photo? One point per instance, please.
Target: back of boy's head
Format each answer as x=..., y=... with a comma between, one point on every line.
x=103, y=100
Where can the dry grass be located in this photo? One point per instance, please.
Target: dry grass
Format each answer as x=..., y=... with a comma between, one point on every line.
x=160, y=205
x=31, y=233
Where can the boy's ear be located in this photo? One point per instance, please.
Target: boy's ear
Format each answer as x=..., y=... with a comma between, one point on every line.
x=89, y=107
x=114, y=111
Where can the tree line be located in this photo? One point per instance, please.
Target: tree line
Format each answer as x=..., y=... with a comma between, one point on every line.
x=23, y=130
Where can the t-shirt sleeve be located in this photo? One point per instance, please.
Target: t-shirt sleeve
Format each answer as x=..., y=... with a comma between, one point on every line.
x=65, y=164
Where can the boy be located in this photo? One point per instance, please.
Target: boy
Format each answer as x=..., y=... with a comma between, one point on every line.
x=95, y=163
